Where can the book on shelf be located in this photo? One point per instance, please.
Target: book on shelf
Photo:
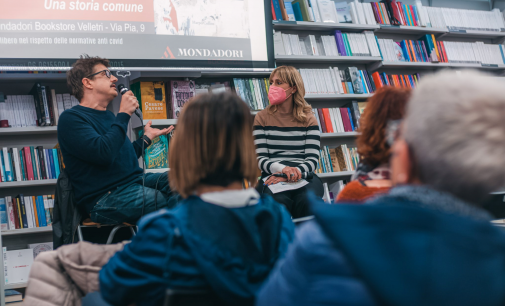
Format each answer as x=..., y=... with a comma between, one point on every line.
x=180, y=93
x=13, y=297
x=338, y=120
x=331, y=192
x=27, y=211
x=152, y=99
x=338, y=44
x=17, y=265
x=253, y=91
x=337, y=159
x=396, y=80
x=335, y=81
x=396, y=13
x=40, y=247
x=41, y=108
x=30, y=163
x=156, y=154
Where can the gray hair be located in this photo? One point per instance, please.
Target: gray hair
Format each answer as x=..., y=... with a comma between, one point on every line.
x=455, y=126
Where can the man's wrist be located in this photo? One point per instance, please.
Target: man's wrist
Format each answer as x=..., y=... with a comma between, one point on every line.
x=146, y=140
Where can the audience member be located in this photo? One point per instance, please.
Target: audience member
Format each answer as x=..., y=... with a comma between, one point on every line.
x=287, y=141
x=100, y=160
x=221, y=237
x=427, y=242
x=372, y=177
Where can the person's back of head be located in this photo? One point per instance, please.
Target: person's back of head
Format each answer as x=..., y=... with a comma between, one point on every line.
x=213, y=144
x=455, y=130
x=387, y=104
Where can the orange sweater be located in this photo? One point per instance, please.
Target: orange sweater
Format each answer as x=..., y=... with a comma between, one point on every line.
x=356, y=192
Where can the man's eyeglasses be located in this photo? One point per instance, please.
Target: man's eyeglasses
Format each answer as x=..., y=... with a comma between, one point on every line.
x=107, y=73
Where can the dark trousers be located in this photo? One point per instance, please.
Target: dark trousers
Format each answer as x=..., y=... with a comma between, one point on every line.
x=295, y=200
x=126, y=203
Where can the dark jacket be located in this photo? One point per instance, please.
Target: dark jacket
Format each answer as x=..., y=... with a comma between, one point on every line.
x=199, y=245
x=66, y=215
x=415, y=246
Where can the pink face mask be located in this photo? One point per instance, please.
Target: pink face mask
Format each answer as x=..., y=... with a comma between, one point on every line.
x=277, y=95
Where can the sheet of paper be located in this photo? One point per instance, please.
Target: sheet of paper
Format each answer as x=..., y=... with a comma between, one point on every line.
x=283, y=186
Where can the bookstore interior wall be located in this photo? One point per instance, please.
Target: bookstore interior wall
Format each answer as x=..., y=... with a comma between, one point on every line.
x=342, y=64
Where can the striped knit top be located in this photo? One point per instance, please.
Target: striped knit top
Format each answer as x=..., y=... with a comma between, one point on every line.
x=282, y=141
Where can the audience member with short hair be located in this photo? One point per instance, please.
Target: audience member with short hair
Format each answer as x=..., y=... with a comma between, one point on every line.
x=372, y=176
x=221, y=237
x=427, y=242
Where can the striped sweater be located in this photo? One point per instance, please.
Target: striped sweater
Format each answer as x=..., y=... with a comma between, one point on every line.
x=281, y=141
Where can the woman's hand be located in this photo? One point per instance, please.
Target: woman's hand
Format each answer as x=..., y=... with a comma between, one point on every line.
x=294, y=174
x=274, y=180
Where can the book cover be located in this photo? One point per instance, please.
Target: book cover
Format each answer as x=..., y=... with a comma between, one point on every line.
x=341, y=159
x=12, y=296
x=34, y=165
x=181, y=92
x=55, y=162
x=283, y=10
x=290, y=11
x=45, y=105
x=48, y=164
x=356, y=80
x=12, y=164
x=40, y=247
x=17, y=216
x=10, y=213
x=36, y=91
x=51, y=206
x=334, y=161
x=50, y=102
x=152, y=98
x=297, y=11
x=42, y=205
x=51, y=163
x=22, y=164
x=22, y=210
x=35, y=211
x=47, y=209
x=157, y=153
x=277, y=10
x=17, y=265
x=28, y=163
x=35, y=156
x=29, y=212
x=6, y=165
x=343, y=12
x=4, y=223
x=42, y=163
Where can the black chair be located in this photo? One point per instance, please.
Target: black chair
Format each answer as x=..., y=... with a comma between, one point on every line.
x=191, y=297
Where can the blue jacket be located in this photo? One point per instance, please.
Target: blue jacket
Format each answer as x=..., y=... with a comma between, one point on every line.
x=199, y=245
x=399, y=250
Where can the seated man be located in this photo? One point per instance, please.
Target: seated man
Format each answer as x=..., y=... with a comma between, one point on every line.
x=100, y=160
x=427, y=242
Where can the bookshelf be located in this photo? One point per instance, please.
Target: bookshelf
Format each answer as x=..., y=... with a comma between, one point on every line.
x=27, y=183
x=16, y=286
x=308, y=59
x=339, y=135
x=342, y=174
x=25, y=231
x=322, y=26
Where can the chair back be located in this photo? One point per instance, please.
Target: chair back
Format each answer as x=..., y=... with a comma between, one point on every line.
x=191, y=297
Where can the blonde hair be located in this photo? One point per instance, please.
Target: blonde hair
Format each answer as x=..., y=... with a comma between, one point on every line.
x=291, y=76
x=213, y=144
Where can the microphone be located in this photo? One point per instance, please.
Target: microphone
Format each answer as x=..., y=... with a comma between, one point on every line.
x=305, y=175
x=122, y=90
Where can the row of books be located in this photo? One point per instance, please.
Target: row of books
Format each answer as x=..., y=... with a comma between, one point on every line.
x=389, y=12
x=17, y=265
x=430, y=50
x=338, y=44
x=13, y=297
x=339, y=120
x=335, y=81
x=337, y=159
x=253, y=91
x=30, y=163
x=396, y=80
x=165, y=100
x=26, y=211
x=25, y=110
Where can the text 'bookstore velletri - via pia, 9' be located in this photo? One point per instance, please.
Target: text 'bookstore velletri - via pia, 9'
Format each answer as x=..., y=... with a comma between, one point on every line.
x=72, y=164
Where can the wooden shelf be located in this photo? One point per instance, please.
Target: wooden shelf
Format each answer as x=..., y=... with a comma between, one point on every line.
x=15, y=286
x=339, y=135
x=335, y=174
x=315, y=97
x=322, y=26
x=28, y=130
x=27, y=183
x=25, y=231
x=326, y=59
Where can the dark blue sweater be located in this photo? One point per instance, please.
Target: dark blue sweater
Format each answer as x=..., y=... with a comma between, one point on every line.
x=97, y=154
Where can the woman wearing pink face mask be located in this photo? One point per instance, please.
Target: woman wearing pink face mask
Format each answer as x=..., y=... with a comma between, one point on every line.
x=287, y=141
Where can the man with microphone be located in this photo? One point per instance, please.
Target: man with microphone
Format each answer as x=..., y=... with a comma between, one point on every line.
x=99, y=158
